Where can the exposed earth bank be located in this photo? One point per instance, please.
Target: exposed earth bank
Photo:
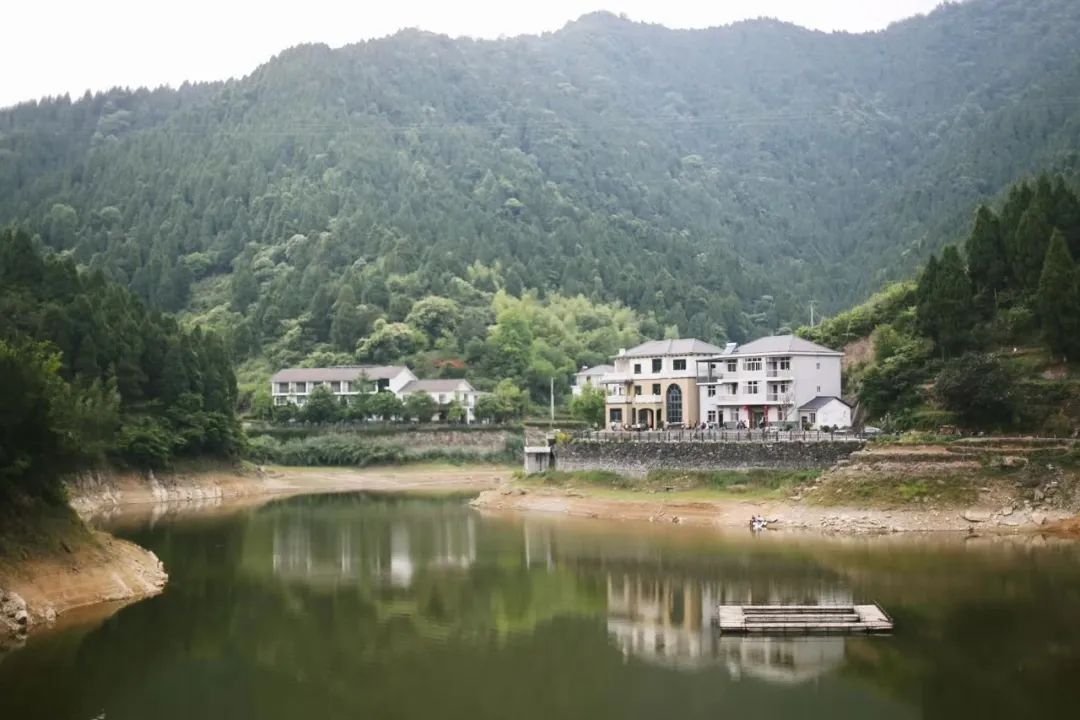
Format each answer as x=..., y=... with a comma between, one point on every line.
x=981, y=485
x=89, y=568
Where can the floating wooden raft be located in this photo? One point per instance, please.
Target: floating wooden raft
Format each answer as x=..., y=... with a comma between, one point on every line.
x=805, y=619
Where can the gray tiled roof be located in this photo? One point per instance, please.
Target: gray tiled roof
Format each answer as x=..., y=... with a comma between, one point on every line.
x=782, y=344
x=820, y=401
x=344, y=373
x=441, y=385
x=685, y=346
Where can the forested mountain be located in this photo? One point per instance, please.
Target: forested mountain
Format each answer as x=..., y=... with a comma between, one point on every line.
x=713, y=181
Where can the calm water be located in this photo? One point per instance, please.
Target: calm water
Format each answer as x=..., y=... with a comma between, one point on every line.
x=360, y=606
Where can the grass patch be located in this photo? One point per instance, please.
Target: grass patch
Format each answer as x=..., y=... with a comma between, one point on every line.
x=899, y=491
x=31, y=528
x=725, y=482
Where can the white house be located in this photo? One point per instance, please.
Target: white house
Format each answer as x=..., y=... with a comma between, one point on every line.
x=294, y=385
x=589, y=377
x=445, y=392
x=825, y=412
x=654, y=385
x=772, y=379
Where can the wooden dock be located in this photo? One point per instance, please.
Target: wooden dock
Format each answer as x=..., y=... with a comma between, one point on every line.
x=802, y=619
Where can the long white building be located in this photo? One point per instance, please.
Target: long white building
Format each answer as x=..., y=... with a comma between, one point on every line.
x=294, y=385
x=778, y=379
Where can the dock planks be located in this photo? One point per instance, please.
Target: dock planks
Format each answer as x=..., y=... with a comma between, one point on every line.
x=804, y=619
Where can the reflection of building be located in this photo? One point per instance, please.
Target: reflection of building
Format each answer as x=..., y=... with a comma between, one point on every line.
x=669, y=621
x=391, y=552
x=788, y=660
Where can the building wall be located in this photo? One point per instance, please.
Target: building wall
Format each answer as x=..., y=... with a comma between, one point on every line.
x=834, y=414
x=665, y=377
x=809, y=376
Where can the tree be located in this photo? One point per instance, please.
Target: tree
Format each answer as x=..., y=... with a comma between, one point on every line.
x=347, y=324
x=1058, y=299
x=456, y=413
x=244, y=287
x=508, y=402
x=434, y=316
x=978, y=389
x=384, y=406
x=390, y=342
x=321, y=407
x=589, y=406
x=944, y=302
x=985, y=250
x=420, y=406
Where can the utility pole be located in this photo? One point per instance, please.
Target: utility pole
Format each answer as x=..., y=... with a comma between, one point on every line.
x=551, y=396
x=812, y=312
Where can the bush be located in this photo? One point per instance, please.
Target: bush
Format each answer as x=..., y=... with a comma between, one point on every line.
x=979, y=389
x=144, y=442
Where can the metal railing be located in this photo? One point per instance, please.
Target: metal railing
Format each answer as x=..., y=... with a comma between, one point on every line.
x=716, y=436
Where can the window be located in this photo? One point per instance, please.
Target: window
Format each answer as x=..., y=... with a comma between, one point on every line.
x=752, y=387
x=712, y=416
x=732, y=365
x=679, y=364
x=637, y=390
x=442, y=398
x=637, y=368
x=752, y=364
x=283, y=387
x=711, y=392
x=785, y=363
x=657, y=365
x=813, y=418
x=656, y=388
x=616, y=415
x=819, y=366
x=280, y=400
x=819, y=388
x=335, y=386
x=674, y=404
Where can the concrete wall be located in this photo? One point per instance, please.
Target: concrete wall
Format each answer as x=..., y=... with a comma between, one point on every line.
x=637, y=459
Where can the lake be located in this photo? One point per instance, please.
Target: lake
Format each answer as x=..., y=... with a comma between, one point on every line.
x=367, y=606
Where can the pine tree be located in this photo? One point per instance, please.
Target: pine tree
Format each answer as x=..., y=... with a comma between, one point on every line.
x=985, y=251
x=1058, y=299
x=944, y=297
x=346, y=325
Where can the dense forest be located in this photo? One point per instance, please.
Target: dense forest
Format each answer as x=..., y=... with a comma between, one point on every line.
x=516, y=208
x=988, y=336
x=90, y=374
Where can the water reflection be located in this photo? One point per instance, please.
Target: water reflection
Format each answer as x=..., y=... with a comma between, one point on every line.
x=366, y=606
x=669, y=622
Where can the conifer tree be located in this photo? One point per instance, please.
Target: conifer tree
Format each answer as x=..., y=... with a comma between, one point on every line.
x=985, y=251
x=945, y=308
x=1058, y=299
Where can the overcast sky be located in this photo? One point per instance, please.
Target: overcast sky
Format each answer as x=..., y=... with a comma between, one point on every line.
x=50, y=47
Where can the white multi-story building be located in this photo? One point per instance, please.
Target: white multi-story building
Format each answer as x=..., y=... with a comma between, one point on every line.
x=654, y=385
x=778, y=379
x=445, y=392
x=589, y=377
x=294, y=385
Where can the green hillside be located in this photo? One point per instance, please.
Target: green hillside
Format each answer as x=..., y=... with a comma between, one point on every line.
x=709, y=183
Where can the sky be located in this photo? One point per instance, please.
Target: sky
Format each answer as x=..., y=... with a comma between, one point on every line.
x=50, y=47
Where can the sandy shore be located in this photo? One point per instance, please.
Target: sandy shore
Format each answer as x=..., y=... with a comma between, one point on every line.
x=734, y=512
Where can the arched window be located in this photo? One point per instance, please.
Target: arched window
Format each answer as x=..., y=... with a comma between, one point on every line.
x=674, y=404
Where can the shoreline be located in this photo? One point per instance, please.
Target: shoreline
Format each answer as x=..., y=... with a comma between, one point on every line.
x=107, y=572
x=729, y=512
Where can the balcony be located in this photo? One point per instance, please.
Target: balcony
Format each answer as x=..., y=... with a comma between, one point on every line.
x=778, y=398
x=777, y=372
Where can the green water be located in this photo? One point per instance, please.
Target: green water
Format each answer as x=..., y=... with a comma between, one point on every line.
x=372, y=607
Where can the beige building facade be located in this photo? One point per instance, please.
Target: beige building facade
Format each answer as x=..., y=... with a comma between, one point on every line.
x=655, y=385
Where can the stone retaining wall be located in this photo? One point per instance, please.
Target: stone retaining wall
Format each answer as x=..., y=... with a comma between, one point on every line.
x=637, y=459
